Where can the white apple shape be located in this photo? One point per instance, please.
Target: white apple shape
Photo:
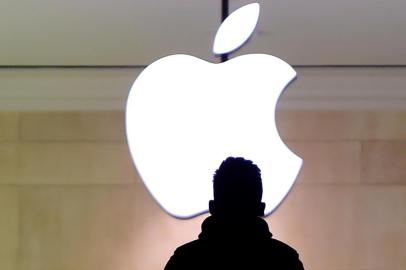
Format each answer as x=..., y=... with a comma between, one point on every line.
x=184, y=116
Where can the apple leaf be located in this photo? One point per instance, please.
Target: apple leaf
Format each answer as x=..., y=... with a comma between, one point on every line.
x=236, y=29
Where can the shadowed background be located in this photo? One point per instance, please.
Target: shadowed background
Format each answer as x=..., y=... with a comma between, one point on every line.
x=70, y=198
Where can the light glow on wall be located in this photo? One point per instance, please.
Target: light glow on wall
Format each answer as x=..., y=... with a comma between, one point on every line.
x=184, y=116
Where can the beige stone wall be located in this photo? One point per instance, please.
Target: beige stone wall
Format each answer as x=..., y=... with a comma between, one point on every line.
x=71, y=200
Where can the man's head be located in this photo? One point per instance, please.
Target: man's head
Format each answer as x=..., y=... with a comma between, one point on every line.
x=237, y=189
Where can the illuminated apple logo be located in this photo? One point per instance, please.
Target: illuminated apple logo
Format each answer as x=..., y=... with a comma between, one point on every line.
x=184, y=116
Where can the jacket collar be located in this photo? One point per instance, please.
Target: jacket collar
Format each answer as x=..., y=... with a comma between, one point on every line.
x=217, y=229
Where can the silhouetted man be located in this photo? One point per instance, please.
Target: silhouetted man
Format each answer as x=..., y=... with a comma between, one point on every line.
x=234, y=236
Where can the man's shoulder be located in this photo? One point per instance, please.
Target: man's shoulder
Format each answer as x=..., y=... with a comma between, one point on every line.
x=190, y=247
x=206, y=253
x=283, y=254
x=281, y=246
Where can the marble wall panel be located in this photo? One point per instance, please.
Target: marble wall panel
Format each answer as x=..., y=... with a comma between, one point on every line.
x=328, y=162
x=382, y=232
x=384, y=162
x=72, y=126
x=40, y=231
x=8, y=163
x=75, y=163
x=319, y=126
x=9, y=126
x=9, y=227
x=342, y=125
x=384, y=125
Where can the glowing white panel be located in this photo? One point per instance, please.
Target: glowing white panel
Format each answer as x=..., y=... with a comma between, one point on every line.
x=236, y=29
x=185, y=115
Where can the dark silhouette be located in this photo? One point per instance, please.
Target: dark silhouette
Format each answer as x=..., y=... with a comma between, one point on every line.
x=234, y=236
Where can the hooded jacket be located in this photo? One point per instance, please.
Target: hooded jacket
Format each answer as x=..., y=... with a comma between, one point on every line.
x=235, y=245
